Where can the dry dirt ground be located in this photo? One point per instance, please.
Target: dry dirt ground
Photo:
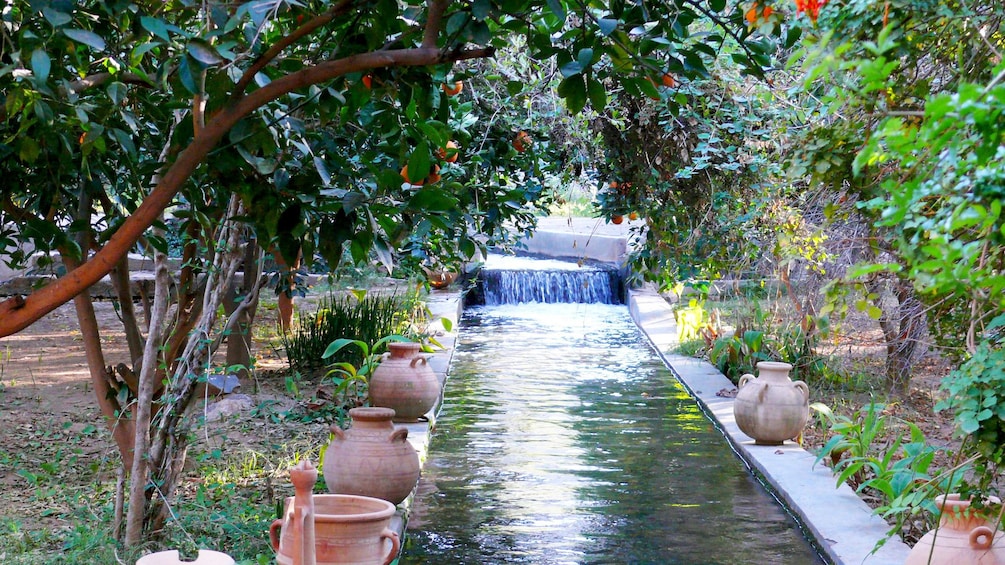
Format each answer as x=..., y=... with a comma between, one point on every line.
x=49, y=416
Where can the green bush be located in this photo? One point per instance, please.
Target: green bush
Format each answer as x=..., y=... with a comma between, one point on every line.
x=355, y=317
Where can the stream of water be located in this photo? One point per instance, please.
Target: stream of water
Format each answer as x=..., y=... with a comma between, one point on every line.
x=564, y=439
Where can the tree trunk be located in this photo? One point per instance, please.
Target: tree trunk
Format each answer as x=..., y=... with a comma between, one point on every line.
x=900, y=353
x=287, y=285
x=169, y=431
x=148, y=381
x=123, y=290
x=239, y=338
x=903, y=327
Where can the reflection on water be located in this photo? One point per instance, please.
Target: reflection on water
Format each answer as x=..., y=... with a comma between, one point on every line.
x=564, y=439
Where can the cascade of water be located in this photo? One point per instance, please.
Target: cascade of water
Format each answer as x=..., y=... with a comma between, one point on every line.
x=553, y=282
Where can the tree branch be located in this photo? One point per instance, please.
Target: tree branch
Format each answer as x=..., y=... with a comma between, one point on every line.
x=99, y=79
x=15, y=317
x=434, y=22
x=307, y=28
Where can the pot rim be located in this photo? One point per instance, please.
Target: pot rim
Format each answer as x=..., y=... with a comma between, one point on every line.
x=954, y=500
x=773, y=365
x=371, y=413
x=381, y=509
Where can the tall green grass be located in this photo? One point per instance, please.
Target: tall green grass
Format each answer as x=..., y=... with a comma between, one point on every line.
x=363, y=317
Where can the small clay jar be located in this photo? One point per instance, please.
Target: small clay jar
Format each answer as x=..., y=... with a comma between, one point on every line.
x=404, y=382
x=371, y=458
x=963, y=536
x=771, y=408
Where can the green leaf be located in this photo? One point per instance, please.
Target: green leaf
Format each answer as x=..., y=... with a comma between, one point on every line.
x=571, y=68
x=717, y=5
x=433, y=199
x=597, y=94
x=55, y=17
x=185, y=75
x=204, y=53
x=585, y=58
x=481, y=9
x=573, y=89
x=156, y=27
x=607, y=25
x=88, y=38
x=40, y=64
x=557, y=9
x=419, y=161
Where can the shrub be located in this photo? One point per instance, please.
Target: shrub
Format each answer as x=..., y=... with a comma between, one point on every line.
x=356, y=317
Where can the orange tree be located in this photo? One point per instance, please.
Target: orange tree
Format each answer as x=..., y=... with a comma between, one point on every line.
x=874, y=68
x=285, y=121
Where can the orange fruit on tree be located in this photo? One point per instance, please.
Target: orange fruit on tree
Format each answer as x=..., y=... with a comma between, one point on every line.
x=669, y=81
x=434, y=175
x=522, y=142
x=633, y=216
x=751, y=14
x=452, y=90
x=448, y=153
x=768, y=10
x=614, y=184
x=617, y=219
x=368, y=81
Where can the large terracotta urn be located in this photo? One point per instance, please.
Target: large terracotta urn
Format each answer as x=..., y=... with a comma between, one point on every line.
x=964, y=537
x=405, y=382
x=771, y=408
x=348, y=529
x=371, y=458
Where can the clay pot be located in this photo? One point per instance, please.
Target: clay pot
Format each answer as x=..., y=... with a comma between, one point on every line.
x=771, y=408
x=963, y=537
x=405, y=382
x=440, y=279
x=347, y=529
x=371, y=458
x=206, y=557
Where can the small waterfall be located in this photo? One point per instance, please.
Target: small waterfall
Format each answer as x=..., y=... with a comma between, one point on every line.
x=509, y=280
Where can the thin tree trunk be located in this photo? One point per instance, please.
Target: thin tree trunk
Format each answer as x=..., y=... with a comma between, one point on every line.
x=120, y=280
x=288, y=284
x=239, y=338
x=148, y=384
x=168, y=445
x=118, y=421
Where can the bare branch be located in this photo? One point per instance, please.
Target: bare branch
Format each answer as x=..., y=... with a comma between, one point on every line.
x=307, y=28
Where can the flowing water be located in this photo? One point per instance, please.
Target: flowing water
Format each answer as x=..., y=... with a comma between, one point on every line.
x=564, y=439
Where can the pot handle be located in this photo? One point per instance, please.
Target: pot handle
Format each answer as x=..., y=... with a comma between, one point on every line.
x=395, y=545
x=338, y=431
x=274, y=533
x=806, y=390
x=418, y=359
x=982, y=537
x=744, y=380
x=398, y=434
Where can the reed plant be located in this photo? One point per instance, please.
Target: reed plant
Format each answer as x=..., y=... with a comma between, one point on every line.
x=355, y=316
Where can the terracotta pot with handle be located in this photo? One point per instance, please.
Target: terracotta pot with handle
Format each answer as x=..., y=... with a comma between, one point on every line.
x=404, y=382
x=372, y=457
x=771, y=408
x=348, y=530
x=964, y=536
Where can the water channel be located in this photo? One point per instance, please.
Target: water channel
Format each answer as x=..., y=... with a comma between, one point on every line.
x=563, y=438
